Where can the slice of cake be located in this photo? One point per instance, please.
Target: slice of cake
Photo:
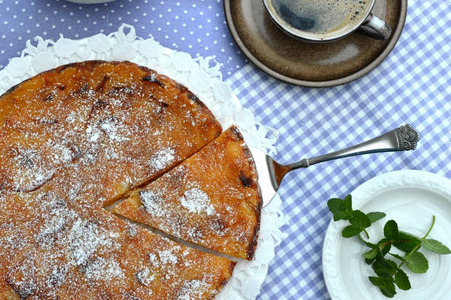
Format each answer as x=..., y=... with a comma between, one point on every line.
x=54, y=250
x=211, y=199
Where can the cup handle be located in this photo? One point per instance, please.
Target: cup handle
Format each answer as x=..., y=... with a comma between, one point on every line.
x=375, y=28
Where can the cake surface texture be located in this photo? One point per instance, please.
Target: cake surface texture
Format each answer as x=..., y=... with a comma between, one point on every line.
x=59, y=251
x=114, y=124
x=77, y=139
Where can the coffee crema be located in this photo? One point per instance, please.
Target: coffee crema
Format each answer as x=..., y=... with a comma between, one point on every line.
x=322, y=18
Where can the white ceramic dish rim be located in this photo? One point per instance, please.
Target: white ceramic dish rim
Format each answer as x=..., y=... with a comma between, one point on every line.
x=386, y=183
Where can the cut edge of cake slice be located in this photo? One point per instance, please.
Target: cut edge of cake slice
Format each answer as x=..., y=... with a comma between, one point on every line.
x=211, y=199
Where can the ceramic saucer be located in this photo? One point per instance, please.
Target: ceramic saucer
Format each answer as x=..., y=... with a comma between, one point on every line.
x=309, y=64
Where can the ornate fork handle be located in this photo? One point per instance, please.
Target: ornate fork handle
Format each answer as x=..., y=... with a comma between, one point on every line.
x=400, y=139
x=407, y=136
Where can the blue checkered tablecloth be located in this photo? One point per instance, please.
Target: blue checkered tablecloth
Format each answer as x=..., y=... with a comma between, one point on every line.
x=413, y=85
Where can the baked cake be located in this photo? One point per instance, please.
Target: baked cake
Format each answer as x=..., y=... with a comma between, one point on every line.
x=211, y=199
x=82, y=136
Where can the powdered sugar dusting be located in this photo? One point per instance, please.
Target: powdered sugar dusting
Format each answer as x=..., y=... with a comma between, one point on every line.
x=59, y=241
x=105, y=269
x=77, y=238
x=145, y=276
x=152, y=202
x=192, y=290
x=169, y=256
x=197, y=201
x=193, y=201
x=31, y=172
x=86, y=238
x=162, y=159
x=93, y=133
x=112, y=127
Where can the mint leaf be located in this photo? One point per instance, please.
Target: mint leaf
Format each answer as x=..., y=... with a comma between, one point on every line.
x=341, y=209
x=375, y=216
x=435, y=246
x=377, y=281
x=360, y=219
x=368, y=244
x=348, y=201
x=384, y=245
x=350, y=231
x=386, y=285
x=401, y=258
x=371, y=254
x=406, y=242
x=402, y=280
x=417, y=262
x=384, y=267
x=391, y=229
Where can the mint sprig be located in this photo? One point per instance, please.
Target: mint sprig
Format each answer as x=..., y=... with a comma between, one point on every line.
x=388, y=273
x=359, y=221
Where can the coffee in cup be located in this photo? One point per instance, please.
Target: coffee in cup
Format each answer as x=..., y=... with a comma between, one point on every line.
x=324, y=20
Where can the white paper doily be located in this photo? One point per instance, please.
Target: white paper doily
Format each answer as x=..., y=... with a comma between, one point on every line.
x=203, y=77
x=410, y=198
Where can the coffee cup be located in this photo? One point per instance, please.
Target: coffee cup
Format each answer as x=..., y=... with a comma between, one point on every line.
x=326, y=20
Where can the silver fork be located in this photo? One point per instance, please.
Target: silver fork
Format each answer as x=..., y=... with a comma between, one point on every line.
x=271, y=173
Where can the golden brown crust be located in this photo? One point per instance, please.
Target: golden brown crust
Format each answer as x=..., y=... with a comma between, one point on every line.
x=211, y=199
x=247, y=153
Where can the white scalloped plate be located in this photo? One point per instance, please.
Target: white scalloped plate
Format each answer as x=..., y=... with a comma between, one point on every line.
x=410, y=198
